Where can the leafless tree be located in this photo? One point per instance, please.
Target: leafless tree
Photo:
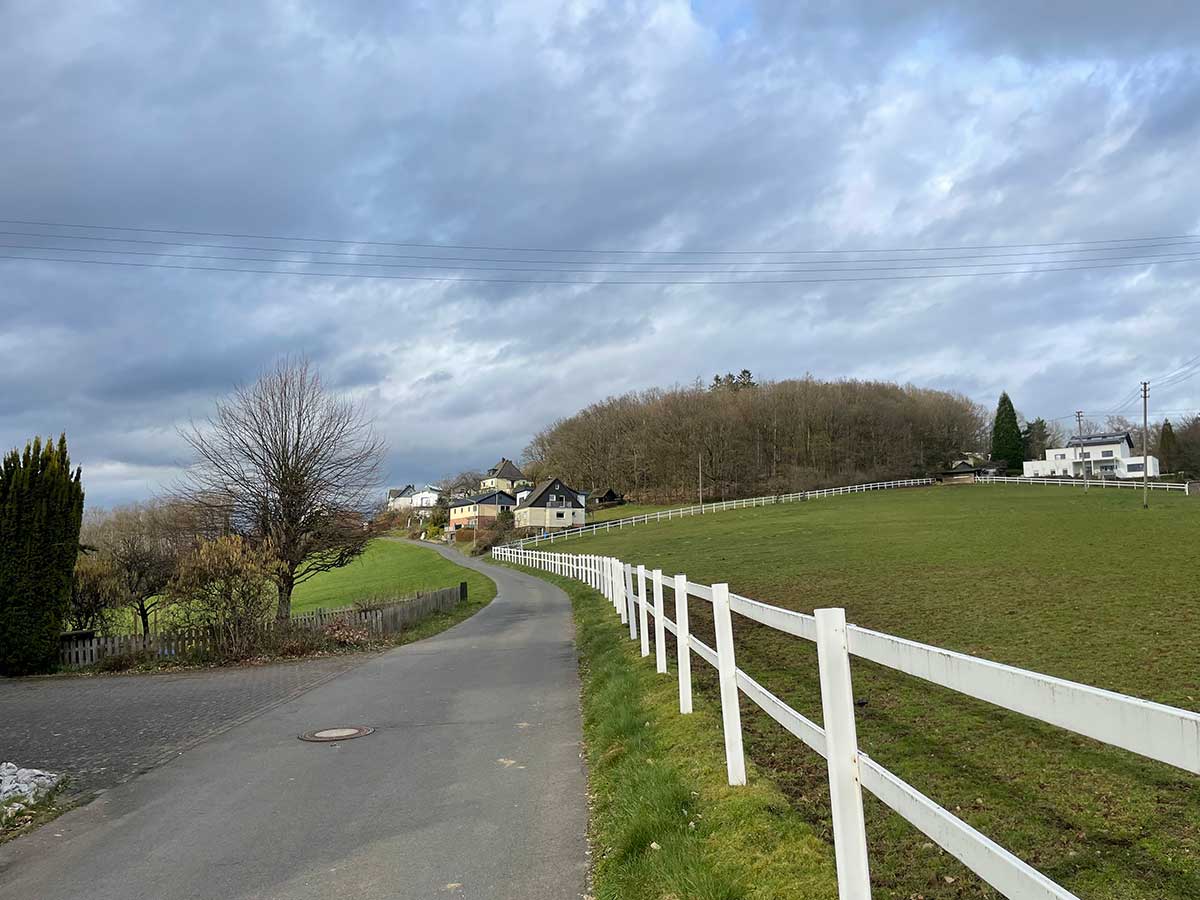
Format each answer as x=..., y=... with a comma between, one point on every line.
x=286, y=462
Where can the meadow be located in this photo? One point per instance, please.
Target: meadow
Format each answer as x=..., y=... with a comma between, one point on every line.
x=1089, y=587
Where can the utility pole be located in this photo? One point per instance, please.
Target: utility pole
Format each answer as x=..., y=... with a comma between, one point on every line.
x=700, y=465
x=1079, y=450
x=1145, y=445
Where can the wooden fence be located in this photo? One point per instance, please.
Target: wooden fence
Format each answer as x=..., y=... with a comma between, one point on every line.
x=385, y=619
x=1153, y=730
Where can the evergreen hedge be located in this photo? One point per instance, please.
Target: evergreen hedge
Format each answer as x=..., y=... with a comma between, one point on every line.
x=41, y=509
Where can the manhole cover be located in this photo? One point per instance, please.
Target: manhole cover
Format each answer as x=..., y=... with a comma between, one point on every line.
x=340, y=733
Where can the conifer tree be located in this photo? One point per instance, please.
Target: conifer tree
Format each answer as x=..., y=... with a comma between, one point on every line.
x=1168, y=447
x=41, y=508
x=1007, y=443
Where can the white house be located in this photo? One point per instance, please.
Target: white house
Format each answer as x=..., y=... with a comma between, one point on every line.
x=550, y=505
x=426, y=498
x=1107, y=455
x=400, y=498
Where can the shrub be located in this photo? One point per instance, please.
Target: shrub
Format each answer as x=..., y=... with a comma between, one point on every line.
x=41, y=509
x=226, y=585
x=95, y=592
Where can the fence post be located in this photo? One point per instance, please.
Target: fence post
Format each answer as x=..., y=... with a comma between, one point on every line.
x=731, y=715
x=643, y=612
x=841, y=753
x=631, y=610
x=683, y=650
x=618, y=580
x=660, y=639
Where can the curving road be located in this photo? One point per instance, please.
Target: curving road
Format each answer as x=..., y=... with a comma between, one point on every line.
x=472, y=785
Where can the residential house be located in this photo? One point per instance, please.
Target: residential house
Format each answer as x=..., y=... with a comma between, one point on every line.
x=424, y=500
x=473, y=512
x=504, y=476
x=1104, y=455
x=551, y=504
x=605, y=498
x=400, y=498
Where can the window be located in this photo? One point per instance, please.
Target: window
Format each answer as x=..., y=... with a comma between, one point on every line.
x=552, y=498
x=1106, y=453
x=1135, y=467
x=559, y=515
x=1087, y=454
x=1060, y=456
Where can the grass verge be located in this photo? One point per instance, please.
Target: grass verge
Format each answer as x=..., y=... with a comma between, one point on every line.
x=664, y=823
x=51, y=806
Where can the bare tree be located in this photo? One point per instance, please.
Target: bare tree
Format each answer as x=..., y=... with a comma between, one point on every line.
x=286, y=462
x=142, y=544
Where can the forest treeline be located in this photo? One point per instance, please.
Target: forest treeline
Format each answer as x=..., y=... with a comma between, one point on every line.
x=757, y=438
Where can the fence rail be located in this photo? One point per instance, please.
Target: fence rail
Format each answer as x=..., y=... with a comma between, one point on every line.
x=1102, y=483
x=1153, y=730
x=385, y=619
x=703, y=508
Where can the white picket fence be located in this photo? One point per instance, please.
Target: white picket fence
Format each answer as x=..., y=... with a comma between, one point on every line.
x=1153, y=730
x=703, y=508
x=1104, y=483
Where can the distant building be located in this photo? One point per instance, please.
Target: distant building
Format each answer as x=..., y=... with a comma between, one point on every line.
x=605, y=498
x=961, y=472
x=504, y=476
x=551, y=504
x=400, y=498
x=427, y=497
x=474, y=512
x=1104, y=455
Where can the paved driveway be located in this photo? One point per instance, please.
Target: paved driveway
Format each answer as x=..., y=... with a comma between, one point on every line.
x=103, y=730
x=472, y=785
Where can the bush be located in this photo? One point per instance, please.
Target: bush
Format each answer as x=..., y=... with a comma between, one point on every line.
x=226, y=585
x=41, y=509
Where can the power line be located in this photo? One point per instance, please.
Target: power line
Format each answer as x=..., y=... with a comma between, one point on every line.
x=356, y=253
x=325, y=240
x=473, y=279
x=592, y=269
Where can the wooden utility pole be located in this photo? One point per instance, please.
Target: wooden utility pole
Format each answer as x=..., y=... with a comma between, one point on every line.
x=1145, y=445
x=1082, y=459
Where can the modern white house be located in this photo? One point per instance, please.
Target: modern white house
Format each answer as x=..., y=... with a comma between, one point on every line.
x=426, y=497
x=1105, y=455
x=550, y=505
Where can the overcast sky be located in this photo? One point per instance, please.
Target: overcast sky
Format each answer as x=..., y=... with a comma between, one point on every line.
x=580, y=126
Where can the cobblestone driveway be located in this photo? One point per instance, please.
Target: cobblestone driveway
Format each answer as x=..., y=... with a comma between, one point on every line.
x=104, y=730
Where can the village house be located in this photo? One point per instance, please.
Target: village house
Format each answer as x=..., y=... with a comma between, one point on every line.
x=551, y=504
x=1104, y=455
x=399, y=499
x=504, y=476
x=474, y=512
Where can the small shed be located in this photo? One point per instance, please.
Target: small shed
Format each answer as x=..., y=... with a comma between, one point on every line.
x=963, y=473
x=605, y=498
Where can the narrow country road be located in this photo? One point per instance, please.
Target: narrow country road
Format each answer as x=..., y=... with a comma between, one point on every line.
x=470, y=787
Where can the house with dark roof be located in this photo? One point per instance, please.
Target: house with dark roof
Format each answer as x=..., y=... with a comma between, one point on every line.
x=552, y=504
x=1108, y=454
x=504, y=476
x=474, y=512
x=400, y=498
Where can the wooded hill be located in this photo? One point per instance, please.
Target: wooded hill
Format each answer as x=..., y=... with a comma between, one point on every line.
x=756, y=439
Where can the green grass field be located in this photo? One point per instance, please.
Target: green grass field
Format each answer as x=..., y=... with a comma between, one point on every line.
x=1087, y=587
x=388, y=569
x=624, y=512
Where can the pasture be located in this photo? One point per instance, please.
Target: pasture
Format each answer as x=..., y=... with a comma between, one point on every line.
x=1086, y=587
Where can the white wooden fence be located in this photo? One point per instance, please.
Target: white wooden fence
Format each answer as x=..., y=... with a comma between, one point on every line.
x=1103, y=483
x=703, y=508
x=1153, y=730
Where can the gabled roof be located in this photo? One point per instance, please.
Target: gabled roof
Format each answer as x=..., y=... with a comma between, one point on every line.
x=506, y=468
x=536, y=494
x=490, y=498
x=1103, y=437
x=407, y=491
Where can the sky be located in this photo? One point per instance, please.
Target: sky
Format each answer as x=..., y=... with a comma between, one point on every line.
x=566, y=129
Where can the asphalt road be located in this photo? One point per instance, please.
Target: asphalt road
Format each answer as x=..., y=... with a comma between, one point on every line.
x=471, y=786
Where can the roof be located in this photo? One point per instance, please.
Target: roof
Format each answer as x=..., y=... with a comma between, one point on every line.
x=489, y=498
x=506, y=468
x=962, y=467
x=407, y=491
x=1103, y=437
x=544, y=486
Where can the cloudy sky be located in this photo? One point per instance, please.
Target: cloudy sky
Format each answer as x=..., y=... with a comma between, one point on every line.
x=581, y=127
